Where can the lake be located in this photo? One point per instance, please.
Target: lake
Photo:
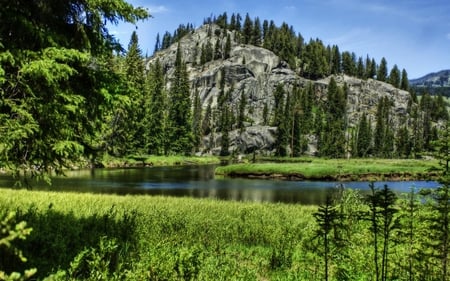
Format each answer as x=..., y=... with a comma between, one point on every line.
x=199, y=182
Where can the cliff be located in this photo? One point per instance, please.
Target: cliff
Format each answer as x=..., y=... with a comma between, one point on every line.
x=256, y=72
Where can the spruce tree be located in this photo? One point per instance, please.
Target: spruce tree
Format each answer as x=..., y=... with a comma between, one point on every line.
x=241, y=114
x=404, y=84
x=394, y=77
x=155, y=137
x=180, y=109
x=197, y=121
x=364, y=137
x=134, y=67
x=382, y=70
x=247, y=31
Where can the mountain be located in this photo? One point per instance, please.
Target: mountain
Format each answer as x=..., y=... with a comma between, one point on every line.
x=253, y=73
x=433, y=83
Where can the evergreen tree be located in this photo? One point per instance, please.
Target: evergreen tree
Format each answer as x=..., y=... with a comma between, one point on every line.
x=207, y=119
x=155, y=137
x=157, y=44
x=364, y=137
x=180, y=136
x=58, y=82
x=225, y=130
x=217, y=50
x=247, y=31
x=404, y=84
x=360, y=69
x=327, y=218
x=227, y=47
x=394, y=77
x=348, y=64
x=265, y=114
x=403, y=144
x=333, y=140
x=197, y=121
x=134, y=67
x=257, y=33
x=383, y=135
x=241, y=114
x=383, y=221
x=335, y=60
x=382, y=70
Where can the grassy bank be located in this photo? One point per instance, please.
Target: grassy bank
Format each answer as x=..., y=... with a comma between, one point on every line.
x=335, y=169
x=105, y=237
x=152, y=160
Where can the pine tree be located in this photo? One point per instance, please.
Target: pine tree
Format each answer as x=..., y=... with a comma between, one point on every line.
x=227, y=51
x=134, y=67
x=180, y=109
x=360, y=69
x=364, y=137
x=241, y=114
x=247, y=31
x=197, y=121
x=157, y=44
x=335, y=60
x=217, y=50
x=348, y=64
x=257, y=33
x=382, y=70
x=155, y=137
x=404, y=84
x=394, y=77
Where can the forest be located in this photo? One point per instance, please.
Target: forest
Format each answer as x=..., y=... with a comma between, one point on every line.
x=71, y=94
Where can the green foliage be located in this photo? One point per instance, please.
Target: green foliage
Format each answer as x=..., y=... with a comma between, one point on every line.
x=180, y=127
x=9, y=232
x=56, y=85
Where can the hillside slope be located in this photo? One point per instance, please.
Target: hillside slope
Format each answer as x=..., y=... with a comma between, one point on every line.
x=254, y=73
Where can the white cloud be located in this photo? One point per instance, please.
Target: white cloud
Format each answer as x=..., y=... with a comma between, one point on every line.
x=157, y=9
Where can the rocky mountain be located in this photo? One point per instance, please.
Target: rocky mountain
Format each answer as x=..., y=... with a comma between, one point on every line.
x=255, y=72
x=436, y=79
x=433, y=83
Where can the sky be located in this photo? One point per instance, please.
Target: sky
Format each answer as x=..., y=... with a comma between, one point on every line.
x=413, y=34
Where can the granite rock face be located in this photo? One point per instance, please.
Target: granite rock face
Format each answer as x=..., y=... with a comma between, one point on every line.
x=256, y=72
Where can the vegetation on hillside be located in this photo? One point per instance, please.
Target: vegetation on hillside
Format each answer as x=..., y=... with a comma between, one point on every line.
x=70, y=93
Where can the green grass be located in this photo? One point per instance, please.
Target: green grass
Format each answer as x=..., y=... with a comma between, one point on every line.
x=153, y=160
x=351, y=169
x=108, y=237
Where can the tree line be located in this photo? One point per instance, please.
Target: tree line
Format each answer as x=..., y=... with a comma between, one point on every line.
x=312, y=59
x=70, y=92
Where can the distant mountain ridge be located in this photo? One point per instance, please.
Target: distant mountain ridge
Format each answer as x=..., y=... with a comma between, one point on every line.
x=433, y=83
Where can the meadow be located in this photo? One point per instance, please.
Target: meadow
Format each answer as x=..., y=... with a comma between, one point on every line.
x=106, y=237
x=335, y=169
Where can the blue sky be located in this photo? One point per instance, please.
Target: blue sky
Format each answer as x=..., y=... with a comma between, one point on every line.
x=413, y=34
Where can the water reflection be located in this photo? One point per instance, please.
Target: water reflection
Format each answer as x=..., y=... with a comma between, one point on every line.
x=199, y=182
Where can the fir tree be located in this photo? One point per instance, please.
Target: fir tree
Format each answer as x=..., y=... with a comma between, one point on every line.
x=247, y=31
x=241, y=114
x=394, y=77
x=197, y=121
x=364, y=137
x=155, y=137
x=382, y=70
x=180, y=109
x=404, y=84
x=227, y=50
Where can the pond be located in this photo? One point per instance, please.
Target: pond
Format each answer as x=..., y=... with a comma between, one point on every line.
x=199, y=182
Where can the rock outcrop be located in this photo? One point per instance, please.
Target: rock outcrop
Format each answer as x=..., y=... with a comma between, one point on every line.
x=256, y=72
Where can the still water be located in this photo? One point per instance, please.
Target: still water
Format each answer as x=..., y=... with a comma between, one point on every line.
x=199, y=182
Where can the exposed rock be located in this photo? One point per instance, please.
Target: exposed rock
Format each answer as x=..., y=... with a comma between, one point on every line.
x=256, y=72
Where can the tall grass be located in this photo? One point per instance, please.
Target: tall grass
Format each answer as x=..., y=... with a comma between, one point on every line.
x=353, y=169
x=107, y=237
